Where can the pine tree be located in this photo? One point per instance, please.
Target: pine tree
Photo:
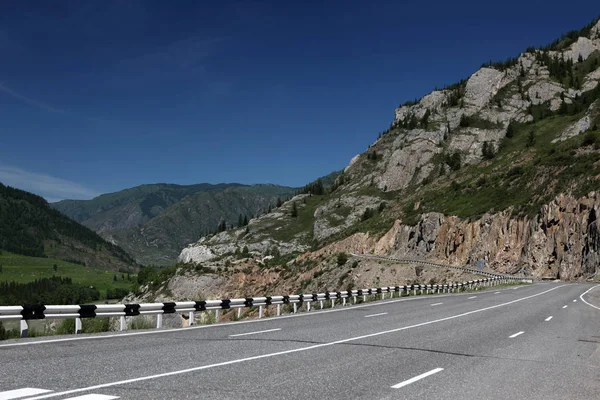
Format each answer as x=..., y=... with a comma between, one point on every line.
x=279, y=203
x=510, y=130
x=240, y=220
x=425, y=119
x=246, y=217
x=294, y=210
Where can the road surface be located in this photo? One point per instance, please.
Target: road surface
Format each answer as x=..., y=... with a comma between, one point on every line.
x=538, y=341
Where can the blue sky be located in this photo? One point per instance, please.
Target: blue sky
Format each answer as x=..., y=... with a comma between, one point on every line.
x=98, y=96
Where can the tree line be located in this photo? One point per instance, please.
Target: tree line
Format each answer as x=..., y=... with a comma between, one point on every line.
x=54, y=290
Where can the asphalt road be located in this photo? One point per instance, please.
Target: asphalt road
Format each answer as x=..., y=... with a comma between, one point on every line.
x=486, y=345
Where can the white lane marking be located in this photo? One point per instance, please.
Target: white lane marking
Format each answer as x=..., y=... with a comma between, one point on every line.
x=472, y=297
x=565, y=306
x=516, y=334
x=436, y=304
x=279, y=353
x=586, y=292
x=375, y=315
x=548, y=319
x=93, y=397
x=417, y=378
x=496, y=292
x=224, y=324
x=254, y=333
x=574, y=301
x=19, y=393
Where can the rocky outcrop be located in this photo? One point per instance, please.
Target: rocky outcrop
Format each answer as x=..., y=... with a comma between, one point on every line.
x=562, y=241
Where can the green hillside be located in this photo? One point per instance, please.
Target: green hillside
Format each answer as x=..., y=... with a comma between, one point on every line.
x=19, y=269
x=29, y=226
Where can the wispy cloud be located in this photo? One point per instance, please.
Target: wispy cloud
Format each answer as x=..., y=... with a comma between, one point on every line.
x=51, y=188
x=30, y=101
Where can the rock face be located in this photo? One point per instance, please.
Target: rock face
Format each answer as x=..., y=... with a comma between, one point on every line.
x=560, y=242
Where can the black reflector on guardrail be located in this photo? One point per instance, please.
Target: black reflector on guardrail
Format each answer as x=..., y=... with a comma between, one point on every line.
x=269, y=300
x=327, y=297
x=225, y=304
x=286, y=300
x=360, y=292
x=200, y=305
x=33, y=312
x=301, y=298
x=87, y=311
x=249, y=301
x=315, y=296
x=168, y=308
x=338, y=295
x=131, y=310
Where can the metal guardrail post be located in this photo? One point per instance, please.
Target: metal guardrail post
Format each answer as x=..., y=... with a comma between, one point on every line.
x=295, y=308
x=260, y=311
x=24, y=328
x=78, y=326
x=159, y=321
x=278, y=310
x=216, y=315
x=122, y=324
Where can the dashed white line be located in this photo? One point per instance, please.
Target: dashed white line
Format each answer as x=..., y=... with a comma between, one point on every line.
x=436, y=304
x=496, y=292
x=93, y=397
x=565, y=306
x=254, y=333
x=574, y=301
x=548, y=319
x=417, y=378
x=20, y=393
x=279, y=353
x=516, y=334
x=472, y=297
x=375, y=315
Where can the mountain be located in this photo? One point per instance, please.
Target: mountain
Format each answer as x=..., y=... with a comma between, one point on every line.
x=153, y=222
x=29, y=226
x=499, y=170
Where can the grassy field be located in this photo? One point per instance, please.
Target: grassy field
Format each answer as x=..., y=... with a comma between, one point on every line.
x=23, y=269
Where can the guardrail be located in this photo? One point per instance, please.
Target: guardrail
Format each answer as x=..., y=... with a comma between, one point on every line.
x=430, y=264
x=78, y=312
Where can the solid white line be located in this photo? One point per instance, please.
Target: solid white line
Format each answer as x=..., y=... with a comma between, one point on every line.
x=279, y=353
x=472, y=297
x=574, y=301
x=516, y=334
x=548, y=319
x=375, y=315
x=93, y=397
x=254, y=333
x=417, y=378
x=586, y=292
x=19, y=393
x=436, y=304
x=497, y=293
x=565, y=306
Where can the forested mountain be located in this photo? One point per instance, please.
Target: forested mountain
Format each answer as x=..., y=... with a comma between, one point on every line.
x=29, y=226
x=154, y=222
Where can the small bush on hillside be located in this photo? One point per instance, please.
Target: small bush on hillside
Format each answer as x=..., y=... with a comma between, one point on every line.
x=342, y=258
